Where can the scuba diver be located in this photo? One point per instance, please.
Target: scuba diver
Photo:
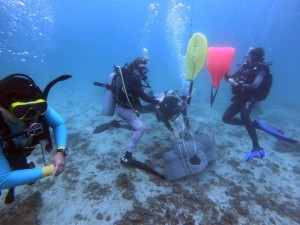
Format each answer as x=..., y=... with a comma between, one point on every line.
x=127, y=89
x=170, y=108
x=124, y=91
x=25, y=118
x=251, y=83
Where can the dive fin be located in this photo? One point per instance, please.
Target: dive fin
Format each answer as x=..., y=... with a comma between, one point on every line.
x=139, y=165
x=53, y=82
x=275, y=133
x=10, y=196
x=106, y=126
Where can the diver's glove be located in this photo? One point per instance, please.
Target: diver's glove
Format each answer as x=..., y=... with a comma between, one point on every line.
x=260, y=153
x=227, y=76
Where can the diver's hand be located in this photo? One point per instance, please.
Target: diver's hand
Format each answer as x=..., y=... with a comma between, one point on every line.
x=227, y=76
x=233, y=82
x=59, y=161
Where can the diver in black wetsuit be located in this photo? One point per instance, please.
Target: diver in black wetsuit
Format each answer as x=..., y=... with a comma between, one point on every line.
x=127, y=88
x=249, y=84
x=170, y=108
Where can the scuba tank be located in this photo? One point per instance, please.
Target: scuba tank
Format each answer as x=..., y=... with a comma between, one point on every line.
x=109, y=102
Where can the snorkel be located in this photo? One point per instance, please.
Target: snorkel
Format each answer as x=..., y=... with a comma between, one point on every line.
x=53, y=82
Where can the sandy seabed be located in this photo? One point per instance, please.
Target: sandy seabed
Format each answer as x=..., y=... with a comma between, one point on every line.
x=96, y=189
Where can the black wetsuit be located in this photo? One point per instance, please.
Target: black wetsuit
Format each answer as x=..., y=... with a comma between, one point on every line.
x=170, y=108
x=134, y=91
x=249, y=79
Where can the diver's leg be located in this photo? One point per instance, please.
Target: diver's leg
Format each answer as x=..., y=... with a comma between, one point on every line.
x=257, y=151
x=250, y=126
x=231, y=111
x=133, y=120
x=139, y=128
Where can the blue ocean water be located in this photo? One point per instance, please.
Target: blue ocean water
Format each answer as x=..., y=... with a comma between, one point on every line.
x=47, y=38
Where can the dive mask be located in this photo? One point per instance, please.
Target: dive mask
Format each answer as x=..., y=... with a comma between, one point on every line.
x=28, y=109
x=142, y=69
x=140, y=64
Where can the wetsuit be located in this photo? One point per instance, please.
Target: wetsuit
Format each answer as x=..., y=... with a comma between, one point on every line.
x=11, y=178
x=170, y=108
x=248, y=80
x=128, y=110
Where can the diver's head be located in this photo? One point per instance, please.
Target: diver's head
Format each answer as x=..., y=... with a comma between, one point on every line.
x=255, y=55
x=21, y=96
x=140, y=67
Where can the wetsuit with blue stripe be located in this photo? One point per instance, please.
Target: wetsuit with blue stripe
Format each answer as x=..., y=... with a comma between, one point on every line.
x=11, y=178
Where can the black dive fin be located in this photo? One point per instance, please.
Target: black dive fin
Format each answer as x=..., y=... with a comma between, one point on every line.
x=139, y=165
x=106, y=126
x=10, y=196
x=275, y=133
x=53, y=82
x=101, y=128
